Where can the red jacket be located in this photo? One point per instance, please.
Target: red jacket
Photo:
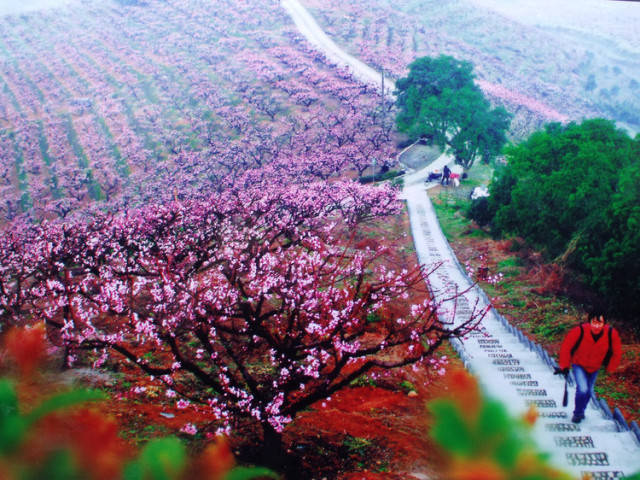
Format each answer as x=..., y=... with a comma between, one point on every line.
x=590, y=354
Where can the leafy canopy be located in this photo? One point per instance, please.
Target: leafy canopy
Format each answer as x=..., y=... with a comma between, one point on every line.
x=439, y=102
x=574, y=191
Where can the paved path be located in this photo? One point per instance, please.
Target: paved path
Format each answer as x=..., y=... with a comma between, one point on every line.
x=507, y=365
x=316, y=36
x=519, y=373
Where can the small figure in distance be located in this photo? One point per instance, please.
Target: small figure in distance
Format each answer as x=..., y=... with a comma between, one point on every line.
x=445, y=175
x=585, y=349
x=455, y=179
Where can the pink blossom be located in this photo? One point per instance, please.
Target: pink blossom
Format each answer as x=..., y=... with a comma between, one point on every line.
x=189, y=429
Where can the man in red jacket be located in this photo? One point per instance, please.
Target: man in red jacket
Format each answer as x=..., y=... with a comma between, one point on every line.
x=586, y=348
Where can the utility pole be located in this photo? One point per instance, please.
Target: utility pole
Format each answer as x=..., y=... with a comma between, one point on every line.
x=382, y=121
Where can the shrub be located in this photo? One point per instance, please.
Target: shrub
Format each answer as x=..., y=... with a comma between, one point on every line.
x=480, y=440
x=572, y=191
x=59, y=438
x=480, y=212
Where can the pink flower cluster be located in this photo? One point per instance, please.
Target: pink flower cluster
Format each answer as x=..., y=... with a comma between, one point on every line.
x=246, y=294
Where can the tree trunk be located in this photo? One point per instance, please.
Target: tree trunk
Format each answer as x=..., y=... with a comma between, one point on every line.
x=273, y=454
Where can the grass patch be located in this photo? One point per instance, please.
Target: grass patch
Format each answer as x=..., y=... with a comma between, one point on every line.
x=450, y=212
x=357, y=445
x=510, y=262
x=549, y=327
x=510, y=267
x=609, y=388
x=478, y=234
x=363, y=381
x=479, y=174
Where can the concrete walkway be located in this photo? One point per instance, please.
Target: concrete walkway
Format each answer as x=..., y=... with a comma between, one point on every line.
x=519, y=373
x=508, y=366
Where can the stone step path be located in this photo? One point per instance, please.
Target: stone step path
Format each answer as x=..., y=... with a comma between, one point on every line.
x=518, y=372
x=508, y=366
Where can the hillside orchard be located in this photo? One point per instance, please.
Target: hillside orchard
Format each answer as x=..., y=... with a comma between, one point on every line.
x=252, y=303
x=104, y=107
x=177, y=195
x=541, y=73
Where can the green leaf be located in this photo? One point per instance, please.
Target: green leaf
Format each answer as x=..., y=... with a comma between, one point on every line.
x=507, y=451
x=161, y=459
x=499, y=434
x=12, y=431
x=12, y=425
x=493, y=420
x=449, y=428
x=8, y=399
x=249, y=473
x=59, y=465
x=133, y=471
x=64, y=400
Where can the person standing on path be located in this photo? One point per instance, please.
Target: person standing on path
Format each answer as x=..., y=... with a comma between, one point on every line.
x=585, y=349
x=445, y=175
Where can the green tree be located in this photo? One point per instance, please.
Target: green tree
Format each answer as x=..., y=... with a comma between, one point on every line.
x=611, y=250
x=439, y=102
x=573, y=191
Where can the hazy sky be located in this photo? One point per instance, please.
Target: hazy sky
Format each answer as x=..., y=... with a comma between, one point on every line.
x=615, y=20
x=19, y=6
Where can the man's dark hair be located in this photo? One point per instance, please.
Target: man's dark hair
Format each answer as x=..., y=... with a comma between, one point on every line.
x=596, y=313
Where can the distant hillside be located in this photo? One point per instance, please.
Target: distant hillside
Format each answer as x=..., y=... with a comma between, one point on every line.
x=542, y=72
x=133, y=3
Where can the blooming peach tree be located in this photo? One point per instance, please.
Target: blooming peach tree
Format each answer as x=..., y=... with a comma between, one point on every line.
x=248, y=302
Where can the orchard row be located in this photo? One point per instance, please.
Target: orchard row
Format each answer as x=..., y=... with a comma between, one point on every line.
x=111, y=107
